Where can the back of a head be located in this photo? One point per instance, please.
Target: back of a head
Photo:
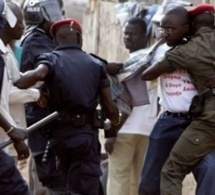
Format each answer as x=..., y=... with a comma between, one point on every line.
x=67, y=31
x=38, y=11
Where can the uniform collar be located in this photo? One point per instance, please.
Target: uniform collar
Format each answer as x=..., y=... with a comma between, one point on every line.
x=203, y=30
x=68, y=46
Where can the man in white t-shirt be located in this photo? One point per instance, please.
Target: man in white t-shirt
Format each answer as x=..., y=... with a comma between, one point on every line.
x=176, y=94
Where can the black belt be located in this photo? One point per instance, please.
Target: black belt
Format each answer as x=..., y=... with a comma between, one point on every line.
x=76, y=119
x=179, y=114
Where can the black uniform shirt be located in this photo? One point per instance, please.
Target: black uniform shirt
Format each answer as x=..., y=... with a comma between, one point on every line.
x=74, y=81
x=36, y=43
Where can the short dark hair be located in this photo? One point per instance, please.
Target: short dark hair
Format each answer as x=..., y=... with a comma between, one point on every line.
x=140, y=22
x=179, y=11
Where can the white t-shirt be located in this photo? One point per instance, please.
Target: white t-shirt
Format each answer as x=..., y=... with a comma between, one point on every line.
x=177, y=91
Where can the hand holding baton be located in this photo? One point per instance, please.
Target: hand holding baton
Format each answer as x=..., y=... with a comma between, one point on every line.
x=34, y=127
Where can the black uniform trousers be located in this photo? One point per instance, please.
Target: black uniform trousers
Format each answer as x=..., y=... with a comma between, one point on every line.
x=79, y=160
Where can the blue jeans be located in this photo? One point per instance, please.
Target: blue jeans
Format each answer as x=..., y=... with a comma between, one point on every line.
x=166, y=132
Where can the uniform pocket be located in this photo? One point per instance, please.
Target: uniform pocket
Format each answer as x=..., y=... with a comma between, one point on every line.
x=194, y=137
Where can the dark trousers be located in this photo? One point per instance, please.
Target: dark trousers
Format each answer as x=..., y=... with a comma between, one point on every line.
x=79, y=162
x=11, y=182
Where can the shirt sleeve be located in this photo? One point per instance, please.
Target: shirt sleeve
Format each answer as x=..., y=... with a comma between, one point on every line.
x=22, y=96
x=47, y=60
x=32, y=49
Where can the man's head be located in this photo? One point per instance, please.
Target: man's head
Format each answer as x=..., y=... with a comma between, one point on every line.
x=174, y=26
x=43, y=13
x=135, y=34
x=202, y=16
x=6, y=16
x=166, y=5
x=67, y=31
x=15, y=33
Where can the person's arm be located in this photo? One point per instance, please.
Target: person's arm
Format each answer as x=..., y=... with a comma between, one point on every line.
x=109, y=106
x=114, y=68
x=107, y=103
x=18, y=136
x=174, y=59
x=110, y=109
x=113, y=114
x=31, y=77
x=156, y=70
x=23, y=95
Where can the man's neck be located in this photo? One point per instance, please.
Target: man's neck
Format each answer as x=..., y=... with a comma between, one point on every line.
x=137, y=49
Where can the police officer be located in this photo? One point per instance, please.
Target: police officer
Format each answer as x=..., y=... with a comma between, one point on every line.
x=11, y=182
x=39, y=15
x=76, y=80
x=197, y=56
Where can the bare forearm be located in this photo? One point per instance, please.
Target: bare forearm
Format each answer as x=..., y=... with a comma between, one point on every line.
x=112, y=112
x=30, y=78
x=27, y=80
x=150, y=74
x=109, y=106
x=156, y=70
